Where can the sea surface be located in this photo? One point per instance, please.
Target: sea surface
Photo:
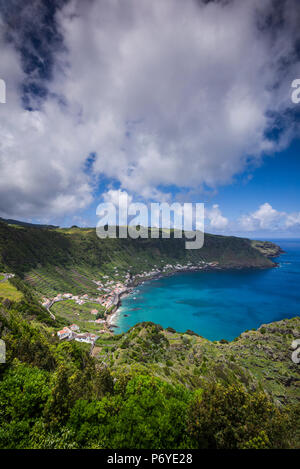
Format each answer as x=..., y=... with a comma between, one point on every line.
x=218, y=304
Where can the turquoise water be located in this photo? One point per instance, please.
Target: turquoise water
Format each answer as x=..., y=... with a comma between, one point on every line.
x=220, y=304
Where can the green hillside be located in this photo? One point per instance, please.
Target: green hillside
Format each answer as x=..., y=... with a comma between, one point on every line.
x=146, y=388
x=53, y=260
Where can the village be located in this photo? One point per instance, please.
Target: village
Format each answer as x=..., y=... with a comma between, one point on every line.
x=109, y=299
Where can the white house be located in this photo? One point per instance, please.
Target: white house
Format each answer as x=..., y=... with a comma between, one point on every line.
x=87, y=337
x=65, y=333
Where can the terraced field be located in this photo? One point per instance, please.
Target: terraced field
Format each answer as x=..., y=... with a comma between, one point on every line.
x=79, y=314
x=49, y=281
x=105, y=346
x=7, y=290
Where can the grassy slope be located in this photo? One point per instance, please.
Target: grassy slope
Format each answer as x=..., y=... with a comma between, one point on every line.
x=71, y=312
x=9, y=291
x=258, y=359
x=65, y=399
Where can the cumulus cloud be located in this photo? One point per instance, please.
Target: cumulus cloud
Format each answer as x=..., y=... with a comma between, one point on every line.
x=41, y=166
x=292, y=220
x=164, y=94
x=216, y=219
x=118, y=198
x=268, y=218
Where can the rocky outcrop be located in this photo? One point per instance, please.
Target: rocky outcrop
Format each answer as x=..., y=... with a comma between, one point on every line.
x=267, y=248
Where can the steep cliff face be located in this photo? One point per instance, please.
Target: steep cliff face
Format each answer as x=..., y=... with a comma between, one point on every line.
x=25, y=248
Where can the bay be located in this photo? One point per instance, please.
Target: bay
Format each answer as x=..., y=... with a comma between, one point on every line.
x=218, y=304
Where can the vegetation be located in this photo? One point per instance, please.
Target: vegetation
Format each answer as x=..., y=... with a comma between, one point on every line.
x=71, y=312
x=7, y=290
x=229, y=417
x=146, y=388
x=55, y=259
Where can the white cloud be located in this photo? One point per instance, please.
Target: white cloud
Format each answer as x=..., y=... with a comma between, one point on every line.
x=266, y=217
x=216, y=219
x=292, y=220
x=165, y=93
x=118, y=198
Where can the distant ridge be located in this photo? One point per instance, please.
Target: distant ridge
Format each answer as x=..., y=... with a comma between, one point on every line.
x=24, y=223
x=25, y=247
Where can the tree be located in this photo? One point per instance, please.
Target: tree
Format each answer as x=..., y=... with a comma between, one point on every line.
x=148, y=414
x=229, y=417
x=24, y=390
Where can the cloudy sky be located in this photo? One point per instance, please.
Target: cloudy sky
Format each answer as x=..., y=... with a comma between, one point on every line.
x=165, y=100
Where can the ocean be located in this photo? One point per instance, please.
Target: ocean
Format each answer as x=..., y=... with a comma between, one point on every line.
x=218, y=304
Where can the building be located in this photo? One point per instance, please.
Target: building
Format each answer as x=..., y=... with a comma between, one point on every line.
x=65, y=333
x=87, y=337
x=74, y=328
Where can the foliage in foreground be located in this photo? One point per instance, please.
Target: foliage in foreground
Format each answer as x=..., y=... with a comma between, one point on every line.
x=41, y=411
x=55, y=395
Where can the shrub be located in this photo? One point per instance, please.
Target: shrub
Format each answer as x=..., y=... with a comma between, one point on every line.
x=186, y=340
x=149, y=414
x=228, y=417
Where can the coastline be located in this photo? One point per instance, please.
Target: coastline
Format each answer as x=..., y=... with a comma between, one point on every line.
x=111, y=317
x=114, y=313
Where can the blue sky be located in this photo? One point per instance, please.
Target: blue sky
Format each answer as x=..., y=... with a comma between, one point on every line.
x=274, y=181
x=174, y=101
